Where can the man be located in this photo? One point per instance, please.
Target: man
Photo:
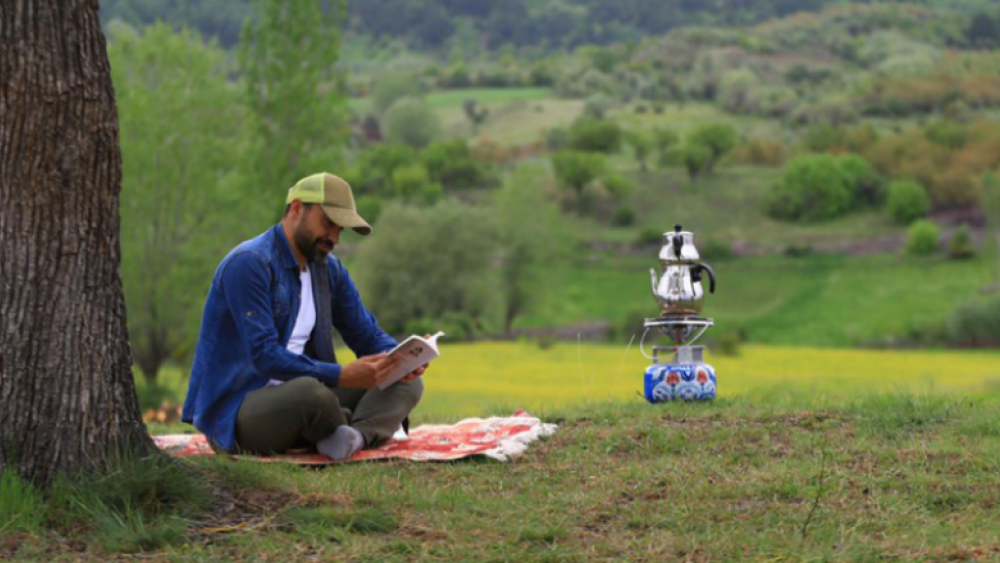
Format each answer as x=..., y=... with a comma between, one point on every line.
x=265, y=378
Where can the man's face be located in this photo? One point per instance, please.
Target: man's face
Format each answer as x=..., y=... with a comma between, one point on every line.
x=315, y=235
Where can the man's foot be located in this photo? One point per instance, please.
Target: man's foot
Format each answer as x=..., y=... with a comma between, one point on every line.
x=342, y=444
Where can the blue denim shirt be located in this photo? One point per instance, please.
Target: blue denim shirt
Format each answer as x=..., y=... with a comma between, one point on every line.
x=248, y=319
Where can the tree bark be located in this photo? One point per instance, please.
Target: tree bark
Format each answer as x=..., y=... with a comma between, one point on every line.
x=67, y=395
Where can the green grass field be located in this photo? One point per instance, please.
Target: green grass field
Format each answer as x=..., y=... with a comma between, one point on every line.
x=876, y=477
x=823, y=300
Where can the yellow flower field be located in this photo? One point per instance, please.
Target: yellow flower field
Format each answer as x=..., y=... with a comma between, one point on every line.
x=497, y=377
x=493, y=377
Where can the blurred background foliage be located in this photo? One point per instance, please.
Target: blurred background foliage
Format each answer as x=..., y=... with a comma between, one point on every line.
x=520, y=161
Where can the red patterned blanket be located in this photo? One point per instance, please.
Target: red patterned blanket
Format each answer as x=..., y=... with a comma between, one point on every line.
x=495, y=437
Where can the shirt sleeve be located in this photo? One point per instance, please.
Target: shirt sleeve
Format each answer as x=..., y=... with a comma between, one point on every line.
x=358, y=327
x=246, y=283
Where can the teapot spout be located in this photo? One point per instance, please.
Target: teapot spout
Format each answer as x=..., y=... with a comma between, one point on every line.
x=652, y=274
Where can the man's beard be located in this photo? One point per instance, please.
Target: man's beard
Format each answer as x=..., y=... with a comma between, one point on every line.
x=311, y=247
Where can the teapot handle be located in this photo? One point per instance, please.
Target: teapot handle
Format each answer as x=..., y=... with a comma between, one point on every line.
x=652, y=274
x=696, y=275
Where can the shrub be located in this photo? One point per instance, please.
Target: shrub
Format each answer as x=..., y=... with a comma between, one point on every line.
x=641, y=144
x=370, y=207
x=393, y=88
x=577, y=169
x=694, y=158
x=833, y=111
x=457, y=77
x=923, y=238
x=412, y=122
x=946, y=134
x=431, y=193
x=451, y=164
x=376, y=165
x=812, y=188
x=416, y=251
x=597, y=106
x=556, y=138
x=664, y=138
x=648, y=236
x=715, y=249
x=865, y=183
x=618, y=186
x=907, y=202
x=961, y=246
x=717, y=138
x=976, y=323
x=623, y=217
x=761, y=152
x=595, y=135
x=735, y=88
x=410, y=180
x=728, y=342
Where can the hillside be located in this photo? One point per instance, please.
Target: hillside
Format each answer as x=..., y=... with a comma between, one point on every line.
x=435, y=24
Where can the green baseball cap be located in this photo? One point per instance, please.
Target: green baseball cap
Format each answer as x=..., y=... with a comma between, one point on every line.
x=333, y=193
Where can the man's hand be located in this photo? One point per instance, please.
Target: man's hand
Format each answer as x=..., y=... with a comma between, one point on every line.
x=417, y=372
x=367, y=372
x=414, y=374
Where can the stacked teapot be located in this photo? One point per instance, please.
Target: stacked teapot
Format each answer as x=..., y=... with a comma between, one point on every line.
x=680, y=294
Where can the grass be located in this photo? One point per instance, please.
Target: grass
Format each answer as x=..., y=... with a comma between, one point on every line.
x=872, y=477
x=821, y=300
x=485, y=96
x=500, y=377
x=517, y=122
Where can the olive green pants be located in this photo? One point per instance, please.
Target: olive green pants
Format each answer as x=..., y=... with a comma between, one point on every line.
x=300, y=412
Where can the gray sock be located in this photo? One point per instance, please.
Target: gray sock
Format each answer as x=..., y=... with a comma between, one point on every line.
x=342, y=444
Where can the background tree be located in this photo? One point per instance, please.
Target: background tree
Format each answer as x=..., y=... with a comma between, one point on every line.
x=179, y=146
x=412, y=122
x=718, y=138
x=533, y=233
x=391, y=88
x=991, y=208
x=694, y=157
x=663, y=138
x=295, y=93
x=577, y=169
x=813, y=187
x=429, y=266
x=67, y=397
x=641, y=145
x=475, y=113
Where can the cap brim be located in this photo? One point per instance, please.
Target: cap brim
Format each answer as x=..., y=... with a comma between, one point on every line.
x=348, y=219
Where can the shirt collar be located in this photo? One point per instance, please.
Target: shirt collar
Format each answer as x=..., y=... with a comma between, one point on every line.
x=284, y=248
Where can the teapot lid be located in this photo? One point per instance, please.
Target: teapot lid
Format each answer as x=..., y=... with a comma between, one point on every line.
x=678, y=246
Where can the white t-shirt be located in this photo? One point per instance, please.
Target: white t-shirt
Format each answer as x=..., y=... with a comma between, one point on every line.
x=304, y=322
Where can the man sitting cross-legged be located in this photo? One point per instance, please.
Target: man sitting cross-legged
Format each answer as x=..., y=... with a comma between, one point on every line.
x=265, y=377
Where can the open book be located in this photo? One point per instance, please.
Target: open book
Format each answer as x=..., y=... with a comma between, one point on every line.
x=413, y=352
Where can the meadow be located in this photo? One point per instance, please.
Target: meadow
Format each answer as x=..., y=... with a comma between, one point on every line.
x=496, y=378
x=891, y=476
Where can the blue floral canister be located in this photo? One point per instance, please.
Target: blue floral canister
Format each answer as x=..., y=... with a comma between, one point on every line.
x=686, y=382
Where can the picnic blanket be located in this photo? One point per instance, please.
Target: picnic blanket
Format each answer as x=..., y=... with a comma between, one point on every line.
x=495, y=437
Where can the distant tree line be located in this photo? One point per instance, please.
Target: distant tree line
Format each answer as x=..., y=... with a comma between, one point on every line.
x=435, y=24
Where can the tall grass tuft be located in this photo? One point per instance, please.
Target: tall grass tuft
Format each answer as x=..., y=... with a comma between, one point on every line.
x=22, y=508
x=137, y=504
x=893, y=414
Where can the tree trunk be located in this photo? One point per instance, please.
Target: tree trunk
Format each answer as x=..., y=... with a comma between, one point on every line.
x=67, y=397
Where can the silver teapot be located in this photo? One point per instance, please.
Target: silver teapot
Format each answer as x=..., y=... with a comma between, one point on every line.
x=679, y=290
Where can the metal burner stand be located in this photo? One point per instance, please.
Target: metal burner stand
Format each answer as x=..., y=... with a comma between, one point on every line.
x=679, y=329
